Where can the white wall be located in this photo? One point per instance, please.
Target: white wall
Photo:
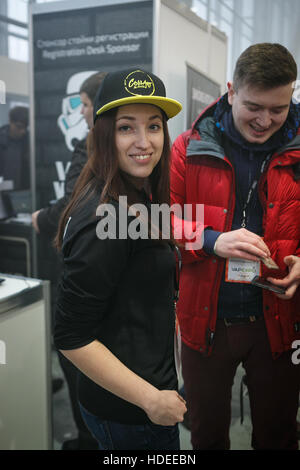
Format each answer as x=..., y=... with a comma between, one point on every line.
x=184, y=37
x=15, y=75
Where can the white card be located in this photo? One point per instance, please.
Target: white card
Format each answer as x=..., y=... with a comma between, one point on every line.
x=241, y=270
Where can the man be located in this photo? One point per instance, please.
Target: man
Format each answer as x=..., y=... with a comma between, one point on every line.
x=241, y=160
x=14, y=149
x=45, y=222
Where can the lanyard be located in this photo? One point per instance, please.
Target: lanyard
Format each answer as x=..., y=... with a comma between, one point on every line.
x=251, y=190
x=260, y=171
x=177, y=272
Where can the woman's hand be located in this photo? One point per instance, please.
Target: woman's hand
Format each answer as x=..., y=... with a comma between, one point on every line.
x=241, y=243
x=164, y=407
x=167, y=408
x=34, y=218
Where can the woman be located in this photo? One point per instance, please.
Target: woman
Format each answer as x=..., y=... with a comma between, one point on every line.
x=115, y=312
x=45, y=222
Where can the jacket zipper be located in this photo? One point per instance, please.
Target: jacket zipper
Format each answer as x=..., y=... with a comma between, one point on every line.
x=210, y=333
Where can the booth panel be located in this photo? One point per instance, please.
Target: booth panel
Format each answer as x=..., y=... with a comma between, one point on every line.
x=25, y=384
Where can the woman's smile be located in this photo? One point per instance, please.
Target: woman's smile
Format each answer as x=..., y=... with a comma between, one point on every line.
x=141, y=158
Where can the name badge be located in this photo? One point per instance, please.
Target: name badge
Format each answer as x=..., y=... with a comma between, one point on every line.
x=241, y=270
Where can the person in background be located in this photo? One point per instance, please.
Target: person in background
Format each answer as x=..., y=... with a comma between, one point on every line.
x=14, y=149
x=241, y=160
x=45, y=222
x=115, y=317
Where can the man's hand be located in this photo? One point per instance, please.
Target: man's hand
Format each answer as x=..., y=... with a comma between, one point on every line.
x=241, y=243
x=292, y=280
x=167, y=409
x=34, y=217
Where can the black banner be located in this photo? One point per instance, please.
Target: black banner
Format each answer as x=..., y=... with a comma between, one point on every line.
x=68, y=47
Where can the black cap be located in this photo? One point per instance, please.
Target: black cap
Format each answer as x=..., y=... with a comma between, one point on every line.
x=133, y=86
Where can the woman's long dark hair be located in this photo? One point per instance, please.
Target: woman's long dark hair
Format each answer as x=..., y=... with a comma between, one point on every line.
x=102, y=168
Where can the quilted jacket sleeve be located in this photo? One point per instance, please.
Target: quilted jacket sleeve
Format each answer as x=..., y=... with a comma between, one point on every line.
x=188, y=230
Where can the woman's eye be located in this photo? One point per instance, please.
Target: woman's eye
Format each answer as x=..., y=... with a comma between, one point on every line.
x=124, y=128
x=155, y=127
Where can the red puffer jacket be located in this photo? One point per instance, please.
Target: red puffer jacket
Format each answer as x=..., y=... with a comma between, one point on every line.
x=201, y=174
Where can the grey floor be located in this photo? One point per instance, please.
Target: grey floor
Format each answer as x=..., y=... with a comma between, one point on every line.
x=64, y=429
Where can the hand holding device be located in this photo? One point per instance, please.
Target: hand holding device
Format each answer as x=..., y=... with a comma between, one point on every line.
x=243, y=244
x=264, y=284
x=291, y=281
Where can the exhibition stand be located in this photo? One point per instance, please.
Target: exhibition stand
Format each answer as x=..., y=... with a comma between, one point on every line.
x=25, y=364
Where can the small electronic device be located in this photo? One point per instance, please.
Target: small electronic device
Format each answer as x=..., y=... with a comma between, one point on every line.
x=270, y=263
x=264, y=284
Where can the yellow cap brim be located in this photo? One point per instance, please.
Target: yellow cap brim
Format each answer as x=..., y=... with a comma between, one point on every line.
x=168, y=105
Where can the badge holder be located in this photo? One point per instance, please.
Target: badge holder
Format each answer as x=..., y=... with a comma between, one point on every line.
x=241, y=270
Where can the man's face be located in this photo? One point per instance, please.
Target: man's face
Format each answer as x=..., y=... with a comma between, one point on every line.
x=17, y=130
x=259, y=113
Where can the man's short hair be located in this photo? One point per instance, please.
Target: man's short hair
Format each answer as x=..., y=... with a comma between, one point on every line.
x=19, y=114
x=91, y=85
x=265, y=66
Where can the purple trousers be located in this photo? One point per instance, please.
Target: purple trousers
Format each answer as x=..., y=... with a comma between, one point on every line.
x=273, y=387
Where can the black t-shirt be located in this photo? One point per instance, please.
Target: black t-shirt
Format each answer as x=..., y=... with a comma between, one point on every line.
x=120, y=292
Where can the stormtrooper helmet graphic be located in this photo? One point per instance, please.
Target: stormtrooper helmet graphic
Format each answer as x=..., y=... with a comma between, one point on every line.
x=71, y=122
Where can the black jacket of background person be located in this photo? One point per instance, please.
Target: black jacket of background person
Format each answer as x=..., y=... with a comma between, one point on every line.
x=120, y=292
x=48, y=218
x=14, y=159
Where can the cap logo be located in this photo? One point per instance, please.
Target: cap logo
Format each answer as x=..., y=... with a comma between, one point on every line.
x=139, y=83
